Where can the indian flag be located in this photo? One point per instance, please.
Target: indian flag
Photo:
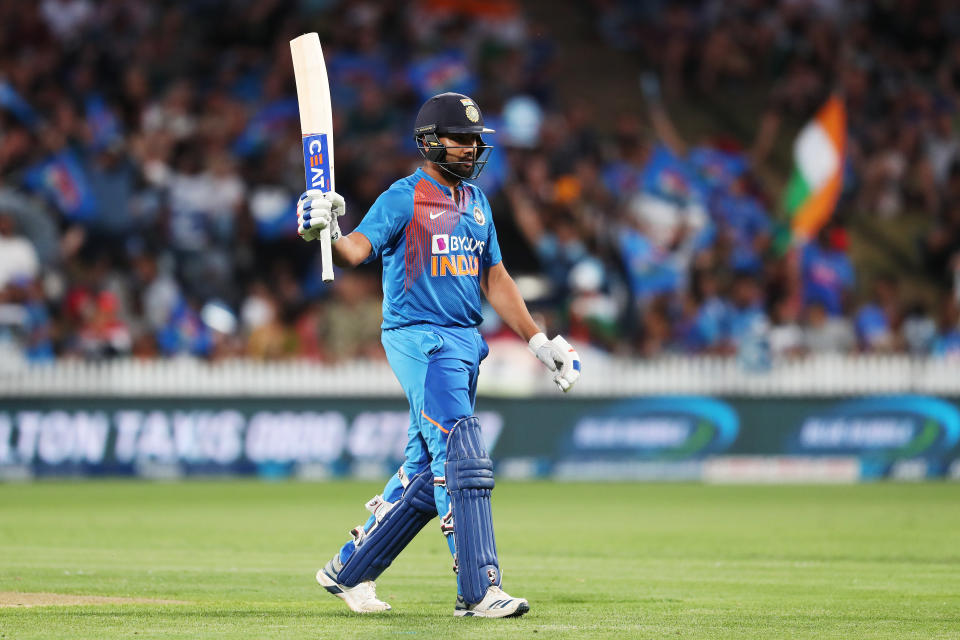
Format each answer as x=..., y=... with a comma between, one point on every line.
x=817, y=178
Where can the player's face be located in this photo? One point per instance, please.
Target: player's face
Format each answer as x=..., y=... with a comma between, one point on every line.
x=461, y=149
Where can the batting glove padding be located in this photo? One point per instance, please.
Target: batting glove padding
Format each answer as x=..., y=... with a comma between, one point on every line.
x=317, y=210
x=558, y=356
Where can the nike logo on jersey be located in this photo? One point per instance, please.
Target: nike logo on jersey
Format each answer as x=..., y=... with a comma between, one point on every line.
x=434, y=216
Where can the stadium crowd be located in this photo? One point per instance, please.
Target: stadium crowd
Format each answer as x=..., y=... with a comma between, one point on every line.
x=150, y=163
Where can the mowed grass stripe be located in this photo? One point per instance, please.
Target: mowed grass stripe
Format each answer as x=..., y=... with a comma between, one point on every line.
x=595, y=560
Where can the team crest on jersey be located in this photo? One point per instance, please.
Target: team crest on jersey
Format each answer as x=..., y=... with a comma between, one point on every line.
x=478, y=216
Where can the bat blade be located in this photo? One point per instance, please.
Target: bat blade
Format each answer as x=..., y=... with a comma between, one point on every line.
x=316, y=126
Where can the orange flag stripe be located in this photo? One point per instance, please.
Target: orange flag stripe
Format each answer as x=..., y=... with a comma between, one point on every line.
x=833, y=119
x=818, y=208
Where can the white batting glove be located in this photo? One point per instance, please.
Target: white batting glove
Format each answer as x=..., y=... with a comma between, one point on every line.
x=558, y=356
x=317, y=211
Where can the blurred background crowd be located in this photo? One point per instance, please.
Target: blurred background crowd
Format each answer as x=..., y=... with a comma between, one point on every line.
x=150, y=163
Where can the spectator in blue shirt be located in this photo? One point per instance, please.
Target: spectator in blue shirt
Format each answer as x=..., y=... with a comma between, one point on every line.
x=745, y=223
x=827, y=272
x=747, y=318
x=708, y=330
x=946, y=343
x=185, y=333
x=875, y=320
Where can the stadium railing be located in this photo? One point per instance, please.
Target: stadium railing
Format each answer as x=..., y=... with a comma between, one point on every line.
x=504, y=376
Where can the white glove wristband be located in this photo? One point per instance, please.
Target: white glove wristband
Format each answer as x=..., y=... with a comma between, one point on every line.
x=536, y=342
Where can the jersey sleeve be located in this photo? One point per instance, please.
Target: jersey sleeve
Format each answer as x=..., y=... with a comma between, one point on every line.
x=491, y=256
x=386, y=220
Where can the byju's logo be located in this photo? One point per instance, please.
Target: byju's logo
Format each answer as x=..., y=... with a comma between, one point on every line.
x=441, y=243
x=668, y=428
x=888, y=427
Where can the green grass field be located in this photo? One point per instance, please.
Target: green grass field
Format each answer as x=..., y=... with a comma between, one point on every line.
x=595, y=561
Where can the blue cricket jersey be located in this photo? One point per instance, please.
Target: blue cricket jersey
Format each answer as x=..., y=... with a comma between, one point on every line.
x=433, y=251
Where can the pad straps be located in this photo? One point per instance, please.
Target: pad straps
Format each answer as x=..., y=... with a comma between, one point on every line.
x=393, y=530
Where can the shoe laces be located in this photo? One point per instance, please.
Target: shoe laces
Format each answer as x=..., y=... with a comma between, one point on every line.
x=368, y=590
x=497, y=591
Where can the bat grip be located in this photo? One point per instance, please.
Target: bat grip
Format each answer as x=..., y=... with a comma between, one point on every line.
x=326, y=256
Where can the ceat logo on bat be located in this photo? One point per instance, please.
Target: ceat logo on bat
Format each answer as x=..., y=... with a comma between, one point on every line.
x=316, y=161
x=441, y=243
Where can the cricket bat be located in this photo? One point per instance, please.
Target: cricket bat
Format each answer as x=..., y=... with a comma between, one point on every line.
x=316, y=126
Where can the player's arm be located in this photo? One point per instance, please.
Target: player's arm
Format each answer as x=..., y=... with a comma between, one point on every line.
x=557, y=354
x=316, y=211
x=504, y=296
x=351, y=249
x=662, y=124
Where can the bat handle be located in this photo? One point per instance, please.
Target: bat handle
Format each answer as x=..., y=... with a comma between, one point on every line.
x=326, y=256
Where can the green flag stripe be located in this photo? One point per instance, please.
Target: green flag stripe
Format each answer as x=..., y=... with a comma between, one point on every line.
x=797, y=192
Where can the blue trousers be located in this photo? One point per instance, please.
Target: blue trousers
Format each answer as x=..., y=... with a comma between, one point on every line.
x=437, y=368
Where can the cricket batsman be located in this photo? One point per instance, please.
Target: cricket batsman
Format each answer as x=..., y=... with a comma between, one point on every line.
x=434, y=232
